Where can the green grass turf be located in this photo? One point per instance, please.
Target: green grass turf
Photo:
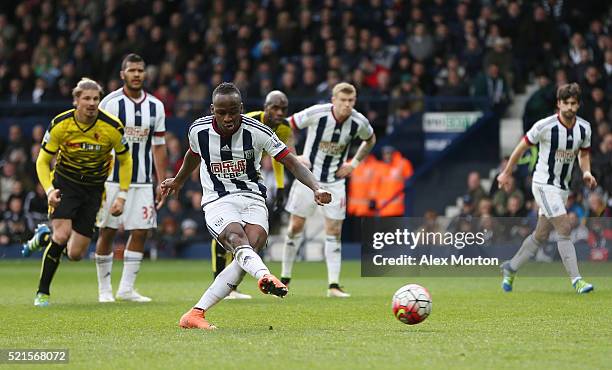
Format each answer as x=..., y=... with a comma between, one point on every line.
x=543, y=324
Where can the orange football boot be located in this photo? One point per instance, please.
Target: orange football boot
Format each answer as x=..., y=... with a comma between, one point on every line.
x=194, y=319
x=269, y=284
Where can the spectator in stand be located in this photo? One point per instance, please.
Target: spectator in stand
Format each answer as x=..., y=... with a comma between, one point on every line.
x=574, y=205
x=7, y=180
x=541, y=103
x=390, y=179
x=35, y=208
x=361, y=188
x=597, y=206
x=500, y=199
x=407, y=93
x=14, y=221
x=421, y=43
x=474, y=187
x=602, y=164
x=500, y=56
x=493, y=86
x=191, y=98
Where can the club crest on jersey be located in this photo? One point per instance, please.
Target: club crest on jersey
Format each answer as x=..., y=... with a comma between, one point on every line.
x=249, y=154
x=228, y=169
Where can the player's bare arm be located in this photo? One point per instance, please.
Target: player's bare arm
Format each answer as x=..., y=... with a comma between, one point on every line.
x=174, y=184
x=584, y=160
x=364, y=149
x=306, y=177
x=504, y=177
x=160, y=158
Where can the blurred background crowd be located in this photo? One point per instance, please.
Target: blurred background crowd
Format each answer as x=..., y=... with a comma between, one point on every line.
x=400, y=54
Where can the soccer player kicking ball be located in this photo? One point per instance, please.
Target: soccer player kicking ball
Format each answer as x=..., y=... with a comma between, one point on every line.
x=562, y=138
x=228, y=147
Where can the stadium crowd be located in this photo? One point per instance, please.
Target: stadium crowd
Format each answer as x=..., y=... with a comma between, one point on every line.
x=396, y=52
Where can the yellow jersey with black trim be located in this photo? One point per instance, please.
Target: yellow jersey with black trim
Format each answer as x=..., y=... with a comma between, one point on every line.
x=285, y=134
x=282, y=130
x=84, y=152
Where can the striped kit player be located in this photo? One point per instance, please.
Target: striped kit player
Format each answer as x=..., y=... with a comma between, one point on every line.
x=331, y=129
x=562, y=138
x=145, y=128
x=227, y=147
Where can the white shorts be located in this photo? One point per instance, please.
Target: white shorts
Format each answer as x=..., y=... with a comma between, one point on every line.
x=242, y=208
x=301, y=200
x=550, y=199
x=138, y=212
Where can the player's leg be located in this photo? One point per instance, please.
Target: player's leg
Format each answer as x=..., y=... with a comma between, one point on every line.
x=51, y=259
x=108, y=225
x=257, y=236
x=300, y=205
x=335, y=213
x=527, y=250
x=138, y=218
x=40, y=240
x=218, y=257
x=132, y=259
x=567, y=251
x=295, y=237
x=104, y=263
x=224, y=219
x=333, y=257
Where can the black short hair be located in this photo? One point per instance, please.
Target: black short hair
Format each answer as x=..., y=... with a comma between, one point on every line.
x=131, y=58
x=226, y=88
x=567, y=91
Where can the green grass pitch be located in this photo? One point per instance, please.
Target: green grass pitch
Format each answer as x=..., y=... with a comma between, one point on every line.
x=542, y=324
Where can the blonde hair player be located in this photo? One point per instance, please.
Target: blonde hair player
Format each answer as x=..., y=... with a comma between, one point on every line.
x=81, y=140
x=331, y=129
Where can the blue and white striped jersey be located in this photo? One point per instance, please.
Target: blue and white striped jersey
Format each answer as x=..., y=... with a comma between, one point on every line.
x=559, y=146
x=327, y=140
x=145, y=125
x=231, y=164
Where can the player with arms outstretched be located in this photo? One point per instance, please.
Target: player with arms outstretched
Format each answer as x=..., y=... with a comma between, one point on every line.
x=331, y=129
x=274, y=116
x=82, y=141
x=562, y=137
x=144, y=119
x=228, y=147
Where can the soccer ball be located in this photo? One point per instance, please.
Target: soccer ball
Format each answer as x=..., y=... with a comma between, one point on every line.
x=411, y=304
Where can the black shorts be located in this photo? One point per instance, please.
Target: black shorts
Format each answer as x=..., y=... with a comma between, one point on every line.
x=79, y=203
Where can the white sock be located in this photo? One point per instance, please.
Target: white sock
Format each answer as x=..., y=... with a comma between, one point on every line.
x=290, y=249
x=227, y=280
x=528, y=249
x=333, y=258
x=250, y=261
x=131, y=266
x=104, y=266
x=567, y=251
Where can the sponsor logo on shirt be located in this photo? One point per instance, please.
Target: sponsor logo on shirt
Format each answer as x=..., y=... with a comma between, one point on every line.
x=137, y=134
x=331, y=148
x=228, y=169
x=565, y=156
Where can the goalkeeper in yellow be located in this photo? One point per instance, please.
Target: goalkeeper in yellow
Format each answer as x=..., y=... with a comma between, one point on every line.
x=274, y=116
x=81, y=140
